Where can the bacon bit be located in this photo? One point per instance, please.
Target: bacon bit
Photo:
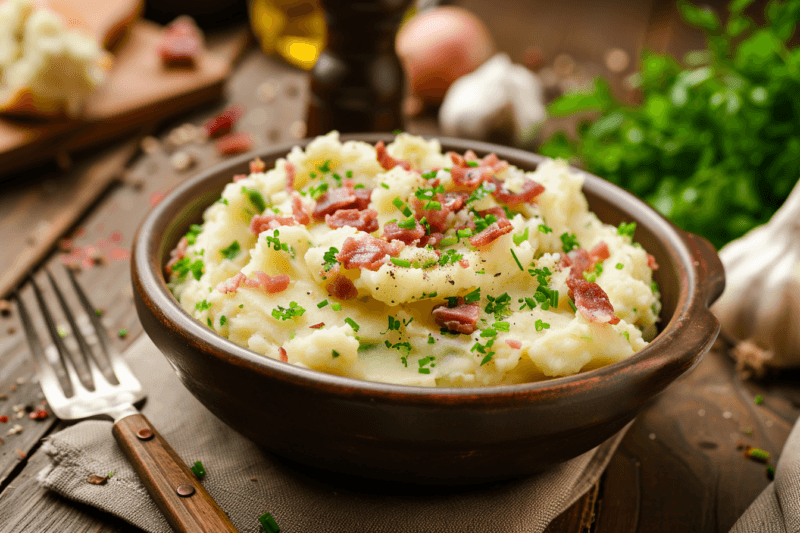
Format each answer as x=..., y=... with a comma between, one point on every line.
x=260, y=223
x=21, y=455
x=239, y=177
x=97, y=480
x=582, y=261
x=120, y=254
x=388, y=162
x=235, y=143
x=342, y=287
x=515, y=344
x=257, y=165
x=155, y=198
x=461, y=318
x=317, y=326
x=530, y=190
x=176, y=255
x=393, y=232
x=116, y=237
x=290, y=174
x=599, y=252
x=367, y=252
x=3, y=419
x=271, y=284
x=495, y=230
x=651, y=262
x=299, y=212
x=333, y=200
x=471, y=177
x=437, y=218
x=39, y=414
x=591, y=300
x=498, y=212
x=283, y=355
x=66, y=245
x=464, y=263
x=180, y=44
x=222, y=124
x=366, y=220
x=433, y=240
x=363, y=197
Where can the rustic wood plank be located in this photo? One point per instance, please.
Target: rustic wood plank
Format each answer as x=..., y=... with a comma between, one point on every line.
x=273, y=114
x=36, y=217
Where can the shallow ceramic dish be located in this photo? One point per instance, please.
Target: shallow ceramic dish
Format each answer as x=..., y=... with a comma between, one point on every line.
x=421, y=434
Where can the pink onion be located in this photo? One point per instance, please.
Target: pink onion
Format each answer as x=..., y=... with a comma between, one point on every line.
x=438, y=46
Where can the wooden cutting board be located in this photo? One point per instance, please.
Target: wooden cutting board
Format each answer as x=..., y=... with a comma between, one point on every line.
x=137, y=91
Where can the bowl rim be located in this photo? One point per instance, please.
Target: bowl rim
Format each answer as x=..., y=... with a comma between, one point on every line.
x=700, y=285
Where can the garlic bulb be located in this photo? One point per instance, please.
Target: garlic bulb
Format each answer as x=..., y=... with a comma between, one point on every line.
x=497, y=96
x=761, y=302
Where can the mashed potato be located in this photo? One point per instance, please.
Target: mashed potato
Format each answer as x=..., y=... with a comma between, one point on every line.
x=405, y=265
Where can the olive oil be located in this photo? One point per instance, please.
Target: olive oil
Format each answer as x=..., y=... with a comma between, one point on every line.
x=292, y=29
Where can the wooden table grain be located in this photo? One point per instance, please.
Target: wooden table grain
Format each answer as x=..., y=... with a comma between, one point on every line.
x=679, y=468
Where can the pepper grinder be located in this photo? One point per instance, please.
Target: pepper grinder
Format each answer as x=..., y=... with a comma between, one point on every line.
x=357, y=84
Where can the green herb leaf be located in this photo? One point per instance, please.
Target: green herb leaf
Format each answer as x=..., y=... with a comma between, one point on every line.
x=521, y=237
x=256, y=198
x=231, y=251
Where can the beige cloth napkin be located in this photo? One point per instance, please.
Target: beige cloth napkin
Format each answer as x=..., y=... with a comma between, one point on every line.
x=247, y=481
x=777, y=508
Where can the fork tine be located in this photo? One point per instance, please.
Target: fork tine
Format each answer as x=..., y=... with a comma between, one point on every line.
x=100, y=332
x=47, y=374
x=87, y=353
x=65, y=355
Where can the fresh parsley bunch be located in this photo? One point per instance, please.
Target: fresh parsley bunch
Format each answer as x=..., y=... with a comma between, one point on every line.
x=715, y=143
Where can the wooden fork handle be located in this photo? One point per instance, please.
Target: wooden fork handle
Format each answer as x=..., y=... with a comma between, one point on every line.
x=177, y=492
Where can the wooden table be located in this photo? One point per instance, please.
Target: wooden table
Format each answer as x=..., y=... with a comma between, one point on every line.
x=678, y=469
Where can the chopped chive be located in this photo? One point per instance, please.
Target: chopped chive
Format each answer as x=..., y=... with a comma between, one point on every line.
x=757, y=453
x=489, y=332
x=408, y=223
x=384, y=185
x=627, y=336
x=122, y=333
x=424, y=370
x=210, y=324
x=545, y=229
x=98, y=312
x=336, y=306
x=466, y=232
x=241, y=306
x=569, y=242
x=198, y=470
x=472, y=164
x=401, y=262
x=448, y=241
x=519, y=238
x=620, y=266
x=255, y=198
x=572, y=305
x=486, y=358
x=401, y=205
x=349, y=173
x=268, y=523
x=352, y=323
x=231, y=251
x=334, y=354
x=223, y=320
x=322, y=304
x=433, y=205
x=770, y=472
x=758, y=399
x=502, y=326
x=431, y=340
x=540, y=325
x=515, y=259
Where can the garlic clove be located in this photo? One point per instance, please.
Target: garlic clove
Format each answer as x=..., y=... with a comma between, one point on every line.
x=497, y=96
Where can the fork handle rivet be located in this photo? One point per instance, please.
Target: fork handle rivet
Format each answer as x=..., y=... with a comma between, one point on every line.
x=185, y=490
x=145, y=434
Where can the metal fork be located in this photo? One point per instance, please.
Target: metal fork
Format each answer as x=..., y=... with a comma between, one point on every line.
x=89, y=391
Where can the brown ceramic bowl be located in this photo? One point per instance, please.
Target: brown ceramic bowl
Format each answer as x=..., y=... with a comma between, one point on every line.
x=424, y=434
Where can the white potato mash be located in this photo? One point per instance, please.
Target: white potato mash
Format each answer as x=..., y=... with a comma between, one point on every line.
x=447, y=270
